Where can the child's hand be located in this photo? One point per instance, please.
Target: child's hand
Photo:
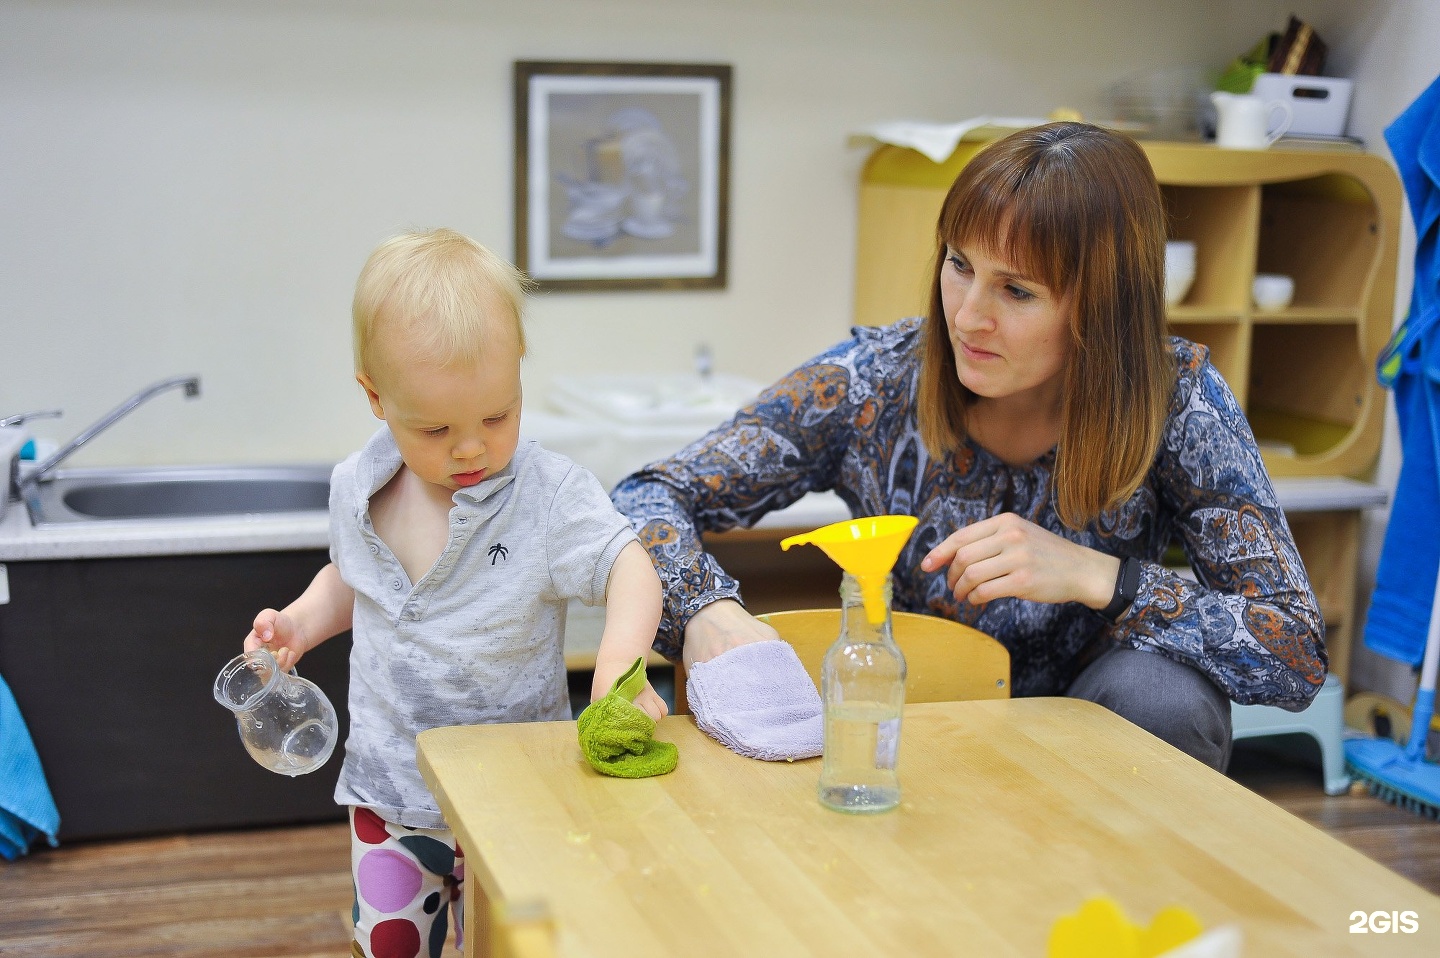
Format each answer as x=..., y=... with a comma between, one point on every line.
x=277, y=633
x=650, y=702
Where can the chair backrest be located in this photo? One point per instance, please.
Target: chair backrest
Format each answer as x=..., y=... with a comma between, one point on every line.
x=945, y=660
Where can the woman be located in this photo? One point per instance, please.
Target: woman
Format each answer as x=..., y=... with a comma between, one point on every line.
x=1052, y=441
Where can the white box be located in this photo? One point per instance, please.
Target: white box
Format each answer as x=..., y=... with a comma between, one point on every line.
x=1321, y=104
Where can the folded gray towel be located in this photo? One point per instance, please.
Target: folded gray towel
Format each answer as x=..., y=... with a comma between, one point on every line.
x=758, y=700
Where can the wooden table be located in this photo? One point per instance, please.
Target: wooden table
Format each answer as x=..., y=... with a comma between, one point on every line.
x=1013, y=813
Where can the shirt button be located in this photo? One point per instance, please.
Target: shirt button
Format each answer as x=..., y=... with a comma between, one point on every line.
x=461, y=521
x=395, y=585
x=374, y=550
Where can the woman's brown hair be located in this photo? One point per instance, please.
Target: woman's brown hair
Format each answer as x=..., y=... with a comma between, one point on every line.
x=1078, y=208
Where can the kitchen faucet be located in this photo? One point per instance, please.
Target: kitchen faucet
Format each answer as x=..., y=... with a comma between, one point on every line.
x=191, y=385
x=25, y=417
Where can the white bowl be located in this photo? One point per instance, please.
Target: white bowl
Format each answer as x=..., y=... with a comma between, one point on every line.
x=1179, y=270
x=1272, y=291
x=1180, y=252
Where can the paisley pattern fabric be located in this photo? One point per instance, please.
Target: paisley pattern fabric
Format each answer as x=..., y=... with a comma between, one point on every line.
x=846, y=421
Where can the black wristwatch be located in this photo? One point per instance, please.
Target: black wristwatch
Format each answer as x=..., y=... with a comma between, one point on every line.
x=1127, y=585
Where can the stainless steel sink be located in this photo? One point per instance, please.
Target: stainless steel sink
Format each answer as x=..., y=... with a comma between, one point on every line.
x=176, y=492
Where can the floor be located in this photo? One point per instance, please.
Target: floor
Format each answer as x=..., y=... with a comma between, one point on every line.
x=284, y=893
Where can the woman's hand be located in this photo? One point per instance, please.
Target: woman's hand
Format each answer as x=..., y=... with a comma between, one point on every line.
x=1006, y=555
x=722, y=626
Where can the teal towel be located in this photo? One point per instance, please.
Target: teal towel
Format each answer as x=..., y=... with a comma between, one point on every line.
x=27, y=811
x=617, y=736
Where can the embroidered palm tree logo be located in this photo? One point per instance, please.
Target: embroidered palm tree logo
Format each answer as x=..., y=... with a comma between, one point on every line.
x=498, y=551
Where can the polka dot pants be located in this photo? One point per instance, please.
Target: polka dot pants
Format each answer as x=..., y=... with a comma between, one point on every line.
x=407, y=882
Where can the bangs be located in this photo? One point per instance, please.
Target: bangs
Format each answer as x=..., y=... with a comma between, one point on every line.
x=1024, y=216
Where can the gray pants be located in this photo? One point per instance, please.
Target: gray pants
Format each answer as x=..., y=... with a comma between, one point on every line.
x=1170, y=700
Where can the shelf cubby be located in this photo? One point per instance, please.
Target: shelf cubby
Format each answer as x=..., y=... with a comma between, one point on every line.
x=1305, y=390
x=1323, y=232
x=1221, y=222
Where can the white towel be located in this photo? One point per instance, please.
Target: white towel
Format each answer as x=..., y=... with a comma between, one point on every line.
x=758, y=700
x=938, y=140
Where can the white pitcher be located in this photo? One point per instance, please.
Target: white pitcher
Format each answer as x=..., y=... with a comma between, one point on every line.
x=1244, y=120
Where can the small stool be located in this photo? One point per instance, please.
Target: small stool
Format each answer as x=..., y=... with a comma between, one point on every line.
x=1324, y=720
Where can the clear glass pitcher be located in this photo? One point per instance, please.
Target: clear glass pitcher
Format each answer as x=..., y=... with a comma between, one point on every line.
x=286, y=722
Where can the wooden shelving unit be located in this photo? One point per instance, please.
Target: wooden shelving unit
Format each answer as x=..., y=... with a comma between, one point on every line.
x=1305, y=375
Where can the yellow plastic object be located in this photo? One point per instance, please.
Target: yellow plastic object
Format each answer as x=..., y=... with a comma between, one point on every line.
x=1171, y=927
x=866, y=548
x=1100, y=929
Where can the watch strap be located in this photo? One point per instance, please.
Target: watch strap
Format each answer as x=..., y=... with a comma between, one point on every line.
x=1127, y=586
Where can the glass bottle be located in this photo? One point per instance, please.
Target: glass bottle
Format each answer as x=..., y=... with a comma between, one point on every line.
x=286, y=723
x=863, y=688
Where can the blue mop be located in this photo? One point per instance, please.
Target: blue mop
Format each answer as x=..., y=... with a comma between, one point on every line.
x=1402, y=776
x=1410, y=557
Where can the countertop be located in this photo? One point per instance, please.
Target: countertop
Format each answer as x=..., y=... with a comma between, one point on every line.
x=19, y=541
x=149, y=537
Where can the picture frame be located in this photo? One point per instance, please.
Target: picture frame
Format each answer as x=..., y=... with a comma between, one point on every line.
x=622, y=174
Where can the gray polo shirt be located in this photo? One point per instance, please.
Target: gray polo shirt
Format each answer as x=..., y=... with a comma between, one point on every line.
x=479, y=638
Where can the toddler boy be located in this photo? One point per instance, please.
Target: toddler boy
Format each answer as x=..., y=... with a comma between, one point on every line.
x=455, y=549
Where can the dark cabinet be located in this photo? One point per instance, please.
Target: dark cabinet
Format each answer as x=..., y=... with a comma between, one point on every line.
x=112, y=663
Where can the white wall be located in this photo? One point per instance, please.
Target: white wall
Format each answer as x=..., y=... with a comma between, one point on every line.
x=192, y=186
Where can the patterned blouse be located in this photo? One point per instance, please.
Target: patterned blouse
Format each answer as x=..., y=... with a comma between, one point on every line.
x=846, y=421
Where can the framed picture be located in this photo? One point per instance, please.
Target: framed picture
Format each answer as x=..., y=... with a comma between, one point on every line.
x=622, y=174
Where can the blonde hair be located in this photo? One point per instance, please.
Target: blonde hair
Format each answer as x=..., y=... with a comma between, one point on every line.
x=1078, y=208
x=449, y=295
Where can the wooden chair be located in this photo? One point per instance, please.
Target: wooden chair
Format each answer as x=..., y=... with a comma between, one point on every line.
x=945, y=661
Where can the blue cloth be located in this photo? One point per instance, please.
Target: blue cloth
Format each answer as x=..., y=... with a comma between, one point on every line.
x=27, y=811
x=1405, y=578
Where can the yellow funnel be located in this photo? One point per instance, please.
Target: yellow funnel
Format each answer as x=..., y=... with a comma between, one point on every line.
x=866, y=548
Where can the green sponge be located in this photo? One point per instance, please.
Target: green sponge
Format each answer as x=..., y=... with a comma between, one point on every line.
x=615, y=734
